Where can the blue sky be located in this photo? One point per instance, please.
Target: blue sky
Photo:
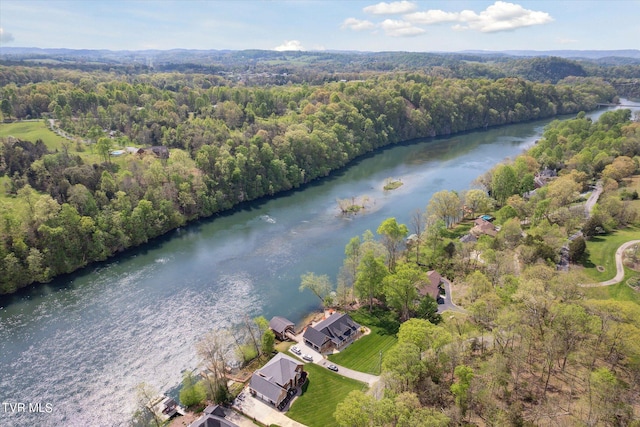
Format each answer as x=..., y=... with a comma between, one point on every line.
x=421, y=26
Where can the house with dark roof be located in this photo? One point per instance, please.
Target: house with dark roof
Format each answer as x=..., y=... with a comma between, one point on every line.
x=431, y=287
x=335, y=332
x=276, y=382
x=468, y=238
x=281, y=326
x=214, y=416
x=158, y=150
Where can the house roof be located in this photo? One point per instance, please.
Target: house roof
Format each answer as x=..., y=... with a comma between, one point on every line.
x=315, y=336
x=210, y=420
x=270, y=379
x=337, y=328
x=484, y=227
x=280, y=324
x=432, y=286
x=281, y=369
x=467, y=238
x=265, y=387
x=214, y=410
x=434, y=277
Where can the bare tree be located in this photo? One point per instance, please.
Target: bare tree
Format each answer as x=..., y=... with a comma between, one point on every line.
x=417, y=226
x=144, y=414
x=213, y=348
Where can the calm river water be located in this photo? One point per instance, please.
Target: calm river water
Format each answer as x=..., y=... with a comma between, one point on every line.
x=82, y=343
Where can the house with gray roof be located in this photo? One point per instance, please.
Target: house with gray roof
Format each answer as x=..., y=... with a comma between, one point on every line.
x=214, y=416
x=335, y=332
x=281, y=326
x=276, y=381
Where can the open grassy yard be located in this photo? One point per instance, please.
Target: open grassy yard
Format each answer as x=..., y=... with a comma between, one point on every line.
x=619, y=292
x=32, y=131
x=601, y=252
x=323, y=393
x=631, y=184
x=364, y=354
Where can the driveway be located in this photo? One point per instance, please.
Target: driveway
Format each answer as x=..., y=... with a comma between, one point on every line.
x=350, y=373
x=319, y=359
x=258, y=410
x=593, y=198
x=448, y=304
x=619, y=267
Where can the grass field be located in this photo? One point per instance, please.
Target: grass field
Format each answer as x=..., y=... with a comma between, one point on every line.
x=619, y=292
x=630, y=184
x=32, y=131
x=364, y=354
x=323, y=393
x=601, y=252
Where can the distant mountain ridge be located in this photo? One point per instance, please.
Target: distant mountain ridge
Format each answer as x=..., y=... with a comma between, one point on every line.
x=587, y=54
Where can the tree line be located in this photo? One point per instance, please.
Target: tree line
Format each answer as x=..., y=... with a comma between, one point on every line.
x=228, y=144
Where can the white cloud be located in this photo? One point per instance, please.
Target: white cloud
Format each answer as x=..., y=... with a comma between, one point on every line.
x=5, y=37
x=397, y=28
x=357, y=24
x=289, y=45
x=501, y=16
x=393, y=8
x=432, y=17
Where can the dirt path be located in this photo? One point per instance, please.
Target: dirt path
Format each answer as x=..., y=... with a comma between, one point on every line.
x=619, y=267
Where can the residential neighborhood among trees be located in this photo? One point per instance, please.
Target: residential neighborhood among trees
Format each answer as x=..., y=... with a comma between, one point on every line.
x=484, y=310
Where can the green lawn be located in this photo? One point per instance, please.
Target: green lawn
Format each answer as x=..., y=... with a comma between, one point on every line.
x=601, y=252
x=459, y=230
x=323, y=393
x=364, y=354
x=619, y=292
x=32, y=131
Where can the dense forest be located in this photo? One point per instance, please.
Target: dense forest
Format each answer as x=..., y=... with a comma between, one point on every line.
x=533, y=347
x=223, y=143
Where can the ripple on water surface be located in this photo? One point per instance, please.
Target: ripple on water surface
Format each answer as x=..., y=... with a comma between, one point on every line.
x=89, y=370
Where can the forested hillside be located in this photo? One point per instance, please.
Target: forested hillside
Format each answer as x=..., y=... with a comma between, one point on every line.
x=532, y=346
x=70, y=205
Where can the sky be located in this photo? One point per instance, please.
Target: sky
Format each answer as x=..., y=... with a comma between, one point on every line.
x=414, y=26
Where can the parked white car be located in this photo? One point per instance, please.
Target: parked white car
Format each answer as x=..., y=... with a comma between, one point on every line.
x=307, y=358
x=295, y=350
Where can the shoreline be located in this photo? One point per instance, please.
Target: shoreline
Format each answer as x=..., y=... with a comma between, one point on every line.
x=30, y=289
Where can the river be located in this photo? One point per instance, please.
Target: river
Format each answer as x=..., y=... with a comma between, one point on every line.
x=81, y=344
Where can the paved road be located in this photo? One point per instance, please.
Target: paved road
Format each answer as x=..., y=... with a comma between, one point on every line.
x=563, y=264
x=593, y=198
x=619, y=267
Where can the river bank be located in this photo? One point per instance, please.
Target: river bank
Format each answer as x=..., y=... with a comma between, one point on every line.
x=83, y=342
